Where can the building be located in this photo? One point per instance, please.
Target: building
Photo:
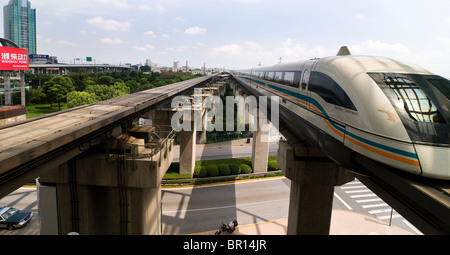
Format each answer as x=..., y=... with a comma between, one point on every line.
x=19, y=21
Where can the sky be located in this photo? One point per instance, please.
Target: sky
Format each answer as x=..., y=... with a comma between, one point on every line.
x=243, y=33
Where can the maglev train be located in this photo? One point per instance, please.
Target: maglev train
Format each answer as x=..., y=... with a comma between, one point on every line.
x=394, y=113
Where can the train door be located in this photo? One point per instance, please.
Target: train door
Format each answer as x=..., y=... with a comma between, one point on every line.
x=306, y=77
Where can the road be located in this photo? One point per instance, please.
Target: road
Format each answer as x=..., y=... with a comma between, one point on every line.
x=201, y=209
x=204, y=208
x=23, y=199
x=225, y=150
x=193, y=210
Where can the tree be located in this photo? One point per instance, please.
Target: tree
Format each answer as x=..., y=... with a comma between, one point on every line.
x=145, y=69
x=78, y=98
x=105, y=79
x=57, y=89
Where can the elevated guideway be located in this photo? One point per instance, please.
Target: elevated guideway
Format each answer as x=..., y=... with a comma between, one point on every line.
x=27, y=147
x=422, y=201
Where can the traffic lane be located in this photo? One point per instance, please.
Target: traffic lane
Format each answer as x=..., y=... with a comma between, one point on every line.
x=213, y=152
x=23, y=199
x=198, y=209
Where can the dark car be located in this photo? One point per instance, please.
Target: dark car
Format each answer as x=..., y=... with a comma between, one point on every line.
x=12, y=218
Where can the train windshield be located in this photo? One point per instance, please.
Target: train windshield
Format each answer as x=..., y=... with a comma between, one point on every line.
x=422, y=102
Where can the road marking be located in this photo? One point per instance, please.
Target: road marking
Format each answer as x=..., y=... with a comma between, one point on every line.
x=380, y=211
x=354, y=187
x=368, y=200
x=342, y=201
x=365, y=195
x=358, y=191
x=375, y=205
x=394, y=216
x=223, y=207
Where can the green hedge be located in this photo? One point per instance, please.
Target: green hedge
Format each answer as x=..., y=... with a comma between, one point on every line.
x=245, y=169
x=235, y=169
x=212, y=171
x=224, y=170
x=220, y=168
x=200, y=171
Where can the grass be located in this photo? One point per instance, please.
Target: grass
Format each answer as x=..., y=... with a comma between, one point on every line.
x=36, y=110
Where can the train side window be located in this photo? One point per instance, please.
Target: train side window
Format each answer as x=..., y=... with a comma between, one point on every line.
x=329, y=90
x=278, y=76
x=268, y=76
x=289, y=78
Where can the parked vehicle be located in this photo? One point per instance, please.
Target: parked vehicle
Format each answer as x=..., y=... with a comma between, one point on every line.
x=11, y=218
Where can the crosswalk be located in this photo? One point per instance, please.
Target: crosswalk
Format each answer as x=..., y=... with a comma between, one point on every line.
x=370, y=203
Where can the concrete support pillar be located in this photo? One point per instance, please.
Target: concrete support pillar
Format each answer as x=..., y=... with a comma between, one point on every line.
x=260, y=151
x=110, y=194
x=188, y=141
x=202, y=139
x=313, y=177
x=7, y=91
x=260, y=147
x=22, y=89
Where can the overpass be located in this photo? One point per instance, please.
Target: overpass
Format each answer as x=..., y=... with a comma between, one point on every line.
x=100, y=171
x=64, y=69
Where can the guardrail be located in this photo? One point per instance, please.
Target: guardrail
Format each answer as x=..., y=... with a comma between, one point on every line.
x=216, y=178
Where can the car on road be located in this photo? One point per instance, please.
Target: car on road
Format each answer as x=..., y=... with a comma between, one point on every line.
x=11, y=218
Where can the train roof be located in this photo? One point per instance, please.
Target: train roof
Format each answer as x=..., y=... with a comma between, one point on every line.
x=352, y=62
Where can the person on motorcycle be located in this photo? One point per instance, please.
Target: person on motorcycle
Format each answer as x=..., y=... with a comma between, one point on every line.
x=231, y=225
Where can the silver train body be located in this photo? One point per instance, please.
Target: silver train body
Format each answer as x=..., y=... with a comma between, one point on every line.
x=388, y=111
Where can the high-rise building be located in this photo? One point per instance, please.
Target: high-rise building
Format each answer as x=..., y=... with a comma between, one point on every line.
x=19, y=21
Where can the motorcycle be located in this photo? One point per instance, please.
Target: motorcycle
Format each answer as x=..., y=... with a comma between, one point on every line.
x=227, y=229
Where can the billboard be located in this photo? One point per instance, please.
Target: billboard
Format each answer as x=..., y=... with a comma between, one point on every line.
x=13, y=59
x=39, y=56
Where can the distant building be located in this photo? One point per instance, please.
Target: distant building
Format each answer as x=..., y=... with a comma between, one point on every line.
x=19, y=21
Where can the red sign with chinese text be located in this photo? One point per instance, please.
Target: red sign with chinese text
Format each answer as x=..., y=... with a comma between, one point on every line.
x=13, y=59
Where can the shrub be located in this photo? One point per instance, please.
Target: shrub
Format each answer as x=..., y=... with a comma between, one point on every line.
x=235, y=169
x=200, y=171
x=272, y=165
x=212, y=171
x=224, y=170
x=246, y=169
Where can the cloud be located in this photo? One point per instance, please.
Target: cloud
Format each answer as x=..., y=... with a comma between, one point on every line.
x=108, y=40
x=115, y=3
x=149, y=33
x=109, y=24
x=144, y=48
x=177, y=48
x=66, y=43
x=195, y=31
x=370, y=47
x=227, y=50
x=140, y=48
x=158, y=8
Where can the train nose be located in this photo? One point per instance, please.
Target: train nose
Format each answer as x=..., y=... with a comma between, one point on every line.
x=435, y=161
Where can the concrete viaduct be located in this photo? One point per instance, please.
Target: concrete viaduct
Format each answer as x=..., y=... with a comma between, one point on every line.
x=99, y=173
